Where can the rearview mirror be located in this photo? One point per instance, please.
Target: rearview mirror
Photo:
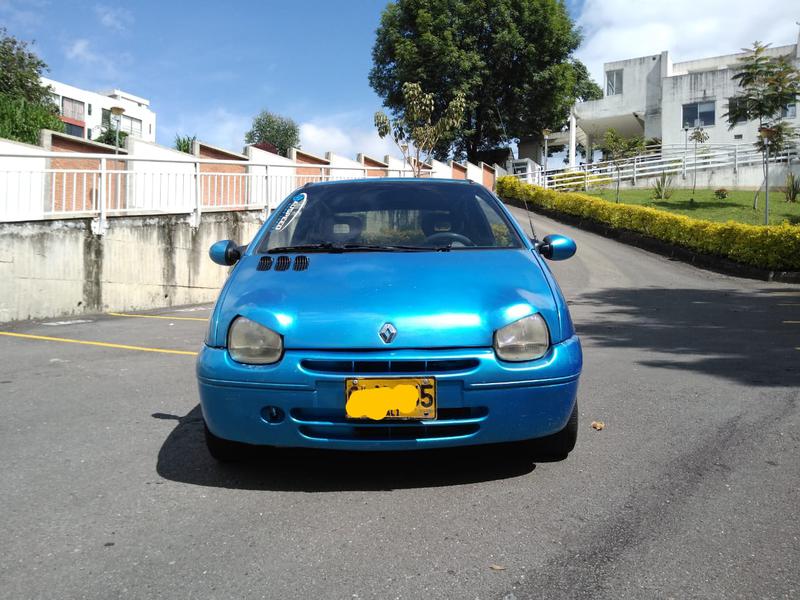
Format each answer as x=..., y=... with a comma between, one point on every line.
x=557, y=247
x=225, y=253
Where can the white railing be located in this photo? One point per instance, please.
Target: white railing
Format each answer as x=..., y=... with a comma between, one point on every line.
x=60, y=184
x=671, y=160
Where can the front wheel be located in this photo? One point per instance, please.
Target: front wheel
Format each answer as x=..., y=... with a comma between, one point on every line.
x=223, y=450
x=558, y=445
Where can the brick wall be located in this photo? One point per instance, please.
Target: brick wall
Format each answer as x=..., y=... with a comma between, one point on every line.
x=459, y=171
x=310, y=174
x=80, y=191
x=223, y=185
x=371, y=162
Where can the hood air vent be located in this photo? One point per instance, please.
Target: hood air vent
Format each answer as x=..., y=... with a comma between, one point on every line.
x=300, y=263
x=282, y=263
x=264, y=263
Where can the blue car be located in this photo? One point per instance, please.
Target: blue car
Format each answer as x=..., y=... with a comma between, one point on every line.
x=390, y=314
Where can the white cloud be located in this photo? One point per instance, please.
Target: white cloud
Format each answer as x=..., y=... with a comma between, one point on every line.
x=118, y=19
x=344, y=135
x=217, y=126
x=81, y=52
x=688, y=29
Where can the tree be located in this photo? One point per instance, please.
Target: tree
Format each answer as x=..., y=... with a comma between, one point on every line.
x=280, y=131
x=185, y=143
x=698, y=136
x=22, y=120
x=512, y=60
x=26, y=106
x=109, y=136
x=415, y=133
x=768, y=85
x=618, y=149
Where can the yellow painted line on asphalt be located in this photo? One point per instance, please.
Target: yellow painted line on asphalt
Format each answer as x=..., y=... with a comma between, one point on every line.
x=47, y=338
x=157, y=317
x=792, y=322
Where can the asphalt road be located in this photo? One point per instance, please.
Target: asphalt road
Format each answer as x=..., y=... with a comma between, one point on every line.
x=690, y=491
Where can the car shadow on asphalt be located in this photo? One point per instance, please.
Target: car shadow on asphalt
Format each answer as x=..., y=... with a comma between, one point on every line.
x=183, y=458
x=749, y=337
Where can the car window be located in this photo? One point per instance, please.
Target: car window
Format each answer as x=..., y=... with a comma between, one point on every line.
x=419, y=214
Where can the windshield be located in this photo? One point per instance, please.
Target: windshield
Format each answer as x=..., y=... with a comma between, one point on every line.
x=402, y=216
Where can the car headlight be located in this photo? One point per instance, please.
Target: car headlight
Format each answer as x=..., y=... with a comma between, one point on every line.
x=253, y=344
x=526, y=339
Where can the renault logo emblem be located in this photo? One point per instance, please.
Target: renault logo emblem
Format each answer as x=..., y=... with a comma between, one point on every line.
x=388, y=332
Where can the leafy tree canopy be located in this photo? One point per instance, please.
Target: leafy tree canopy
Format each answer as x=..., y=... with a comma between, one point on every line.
x=26, y=106
x=282, y=132
x=21, y=71
x=512, y=60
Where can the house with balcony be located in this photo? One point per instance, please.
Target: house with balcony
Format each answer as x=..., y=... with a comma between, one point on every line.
x=86, y=114
x=652, y=97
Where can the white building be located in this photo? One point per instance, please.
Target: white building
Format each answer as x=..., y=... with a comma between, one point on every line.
x=653, y=97
x=86, y=113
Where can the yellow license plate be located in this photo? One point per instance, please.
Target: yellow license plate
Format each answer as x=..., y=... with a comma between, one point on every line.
x=391, y=398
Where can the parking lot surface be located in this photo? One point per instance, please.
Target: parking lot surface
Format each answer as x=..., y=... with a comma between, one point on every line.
x=690, y=490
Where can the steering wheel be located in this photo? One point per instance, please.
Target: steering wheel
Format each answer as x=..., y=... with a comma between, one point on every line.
x=437, y=239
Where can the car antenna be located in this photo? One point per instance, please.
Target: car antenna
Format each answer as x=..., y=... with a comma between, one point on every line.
x=530, y=221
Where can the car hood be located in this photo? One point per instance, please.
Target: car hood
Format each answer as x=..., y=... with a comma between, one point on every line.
x=433, y=299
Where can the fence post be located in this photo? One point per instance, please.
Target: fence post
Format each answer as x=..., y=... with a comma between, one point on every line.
x=736, y=158
x=265, y=212
x=100, y=225
x=633, y=179
x=585, y=178
x=198, y=197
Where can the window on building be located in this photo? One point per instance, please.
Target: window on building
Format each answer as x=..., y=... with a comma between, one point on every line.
x=613, y=82
x=128, y=124
x=73, y=129
x=89, y=109
x=72, y=109
x=789, y=111
x=699, y=114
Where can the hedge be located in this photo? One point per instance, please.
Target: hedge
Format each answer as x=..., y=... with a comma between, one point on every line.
x=769, y=246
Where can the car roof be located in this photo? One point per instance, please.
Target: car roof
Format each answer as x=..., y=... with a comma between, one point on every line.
x=380, y=180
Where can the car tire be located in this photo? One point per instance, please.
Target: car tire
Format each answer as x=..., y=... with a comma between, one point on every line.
x=224, y=450
x=560, y=444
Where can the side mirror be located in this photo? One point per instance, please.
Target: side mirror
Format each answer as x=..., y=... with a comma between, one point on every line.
x=225, y=253
x=557, y=247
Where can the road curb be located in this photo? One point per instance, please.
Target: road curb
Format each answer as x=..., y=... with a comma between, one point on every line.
x=717, y=264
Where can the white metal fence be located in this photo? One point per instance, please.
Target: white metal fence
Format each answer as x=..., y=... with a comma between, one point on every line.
x=670, y=160
x=60, y=184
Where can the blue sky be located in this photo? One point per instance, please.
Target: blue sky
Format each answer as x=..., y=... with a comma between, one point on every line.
x=207, y=68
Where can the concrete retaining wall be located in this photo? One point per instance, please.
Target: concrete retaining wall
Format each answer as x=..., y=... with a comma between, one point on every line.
x=60, y=268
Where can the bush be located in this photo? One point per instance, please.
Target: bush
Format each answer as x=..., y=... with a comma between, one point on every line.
x=577, y=180
x=22, y=120
x=769, y=246
x=721, y=194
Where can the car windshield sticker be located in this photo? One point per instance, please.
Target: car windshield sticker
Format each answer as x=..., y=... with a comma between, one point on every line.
x=294, y=209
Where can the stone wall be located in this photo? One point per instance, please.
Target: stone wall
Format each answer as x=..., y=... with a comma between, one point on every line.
x=58, y=268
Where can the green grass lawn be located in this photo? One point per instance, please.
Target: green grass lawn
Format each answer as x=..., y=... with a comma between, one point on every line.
x=738, y=206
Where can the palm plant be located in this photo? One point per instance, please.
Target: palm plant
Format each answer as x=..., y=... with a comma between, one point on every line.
x=662, y=189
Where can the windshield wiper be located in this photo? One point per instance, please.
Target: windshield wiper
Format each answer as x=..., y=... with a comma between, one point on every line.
x=321, y=247
x=395, y=248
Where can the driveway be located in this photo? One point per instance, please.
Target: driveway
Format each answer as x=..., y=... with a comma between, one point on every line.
x=690, y=490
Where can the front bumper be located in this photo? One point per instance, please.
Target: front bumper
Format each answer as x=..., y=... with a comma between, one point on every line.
x=299, y=402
